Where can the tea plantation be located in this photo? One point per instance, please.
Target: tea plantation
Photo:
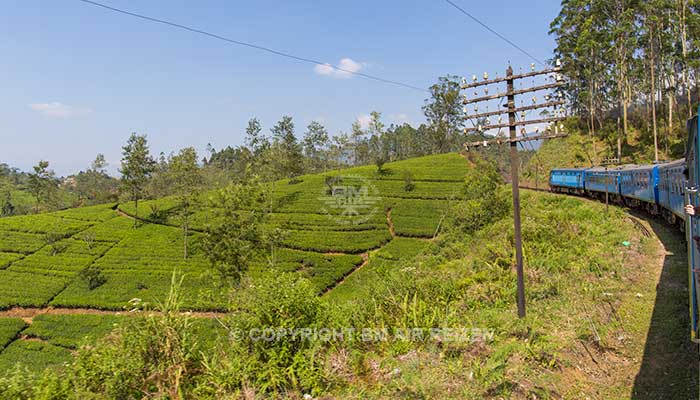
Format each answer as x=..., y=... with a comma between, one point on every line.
x=325, y=241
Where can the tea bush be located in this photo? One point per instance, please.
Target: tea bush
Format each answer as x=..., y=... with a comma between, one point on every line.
x=9, y=330
x=7, y=258
x=27, y=290
x=34, y=355
x=71, y=331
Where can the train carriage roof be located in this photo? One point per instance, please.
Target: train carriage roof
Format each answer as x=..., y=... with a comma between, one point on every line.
x=672, y=164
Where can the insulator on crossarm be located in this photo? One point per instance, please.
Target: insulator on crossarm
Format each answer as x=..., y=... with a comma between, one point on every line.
x=486, y=75
x=532, y=66
x=558, y=63
x=474, y=78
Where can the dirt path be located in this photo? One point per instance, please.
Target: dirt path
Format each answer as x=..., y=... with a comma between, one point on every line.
x=390, y=223
x=28, y=313
x=655, y=358
x=365, y=260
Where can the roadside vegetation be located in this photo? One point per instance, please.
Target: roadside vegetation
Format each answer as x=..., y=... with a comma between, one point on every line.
x=577, y=264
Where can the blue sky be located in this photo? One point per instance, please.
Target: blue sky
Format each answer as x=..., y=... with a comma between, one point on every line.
x=76, y=80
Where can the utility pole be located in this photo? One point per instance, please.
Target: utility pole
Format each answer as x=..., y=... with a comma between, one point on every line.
x=513, y=139
x=606, y=163
x=516, y=193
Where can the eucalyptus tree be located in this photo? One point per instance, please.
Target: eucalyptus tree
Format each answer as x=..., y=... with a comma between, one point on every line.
x=187, y=182
x=42, y=183
x=443, y=111
x=287, y=149
x=315, y=143
x=137, y=167
x=236, y=232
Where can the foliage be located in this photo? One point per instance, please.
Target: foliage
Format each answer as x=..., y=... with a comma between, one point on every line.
x=408, y=184
x=187, y=182
x=237, y=231
x=136, y=168
x=42, y=183
x=27, y=290
x=485, y=199
x=631, y=71
x=151, y=355
x=33, y=355
x=92, y=276
x=9, y=330
x=72, y=331
x=277, y=300
x=286, y=149
x=94, y=185
x=443, y=110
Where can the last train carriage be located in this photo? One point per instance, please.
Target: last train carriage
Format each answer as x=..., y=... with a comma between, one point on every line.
x=662, y=189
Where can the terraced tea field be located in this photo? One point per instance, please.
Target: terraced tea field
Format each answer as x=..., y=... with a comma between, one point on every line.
x=326, y=241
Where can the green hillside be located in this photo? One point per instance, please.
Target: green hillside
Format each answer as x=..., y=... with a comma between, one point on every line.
x=386, y=271
x=138, y=262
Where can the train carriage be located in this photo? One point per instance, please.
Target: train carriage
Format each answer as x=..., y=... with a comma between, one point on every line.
x=599, y=180
x=567, y=180
x=693, y=225
x=671, y=190
x=664, y=188
x=638, y=185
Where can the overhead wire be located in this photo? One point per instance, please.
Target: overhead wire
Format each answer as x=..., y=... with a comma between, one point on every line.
x=488, y=28
x=252, y=45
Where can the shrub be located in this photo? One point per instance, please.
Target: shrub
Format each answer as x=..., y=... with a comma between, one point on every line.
x=92, y=276
x=89, y=239
x=54, y=241
x=150, y=356
x=408, y=184
x=485, y=199
x=278, y=301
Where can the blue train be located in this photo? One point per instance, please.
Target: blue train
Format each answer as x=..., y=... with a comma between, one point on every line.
x=662, y=189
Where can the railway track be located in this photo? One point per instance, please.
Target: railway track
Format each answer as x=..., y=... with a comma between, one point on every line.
x=643, y=228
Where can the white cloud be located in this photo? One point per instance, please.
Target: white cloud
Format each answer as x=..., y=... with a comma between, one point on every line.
x=400, y=118
x=345, y=68
x=364, y=120
x=60, y=110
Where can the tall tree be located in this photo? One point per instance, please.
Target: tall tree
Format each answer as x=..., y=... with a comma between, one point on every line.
x=187, y=182
x=443, y=110
x=288, y=149
x=254, y=139
x=315, y=144
x=94, y=185
x=42, y=183
x=136, y=169
x=378, y=143
x=237, y=229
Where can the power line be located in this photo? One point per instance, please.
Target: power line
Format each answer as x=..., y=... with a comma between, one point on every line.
x=493, y=31
x=253, y=46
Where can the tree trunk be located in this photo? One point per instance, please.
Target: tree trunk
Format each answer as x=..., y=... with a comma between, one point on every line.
x=136, y=206
x=186, y=226
x=653, y=97
x=684, y=40
x=670, y=119
x=619, y=139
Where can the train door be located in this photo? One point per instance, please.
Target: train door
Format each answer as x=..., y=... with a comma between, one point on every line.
x=692, y=225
